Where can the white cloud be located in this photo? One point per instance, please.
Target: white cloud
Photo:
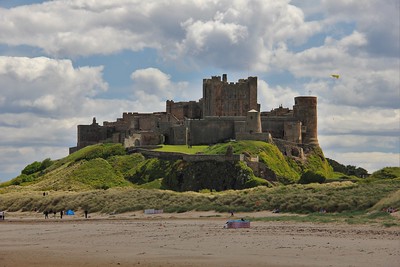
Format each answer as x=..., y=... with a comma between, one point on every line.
x=201, y=30
x=47, y=86
x=153, y=87
x=151, y=80
x=272, y=97
x=376, y=19
x=356, y=120
x=363, y=82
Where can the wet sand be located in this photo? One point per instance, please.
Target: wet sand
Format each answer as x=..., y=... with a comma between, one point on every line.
x=190, y=239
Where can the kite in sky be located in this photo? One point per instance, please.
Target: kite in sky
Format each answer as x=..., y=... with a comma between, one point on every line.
x=335, y=76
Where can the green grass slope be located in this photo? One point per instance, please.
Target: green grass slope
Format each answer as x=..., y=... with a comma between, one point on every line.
x=286, y=169
x=94, y=167
x=105, y=166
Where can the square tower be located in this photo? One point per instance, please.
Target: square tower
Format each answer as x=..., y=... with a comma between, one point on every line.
x=221, y=98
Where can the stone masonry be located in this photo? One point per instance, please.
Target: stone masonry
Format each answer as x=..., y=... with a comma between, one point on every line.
x=227, y=111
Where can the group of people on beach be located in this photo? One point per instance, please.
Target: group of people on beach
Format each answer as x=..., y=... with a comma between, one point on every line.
x=46, y=214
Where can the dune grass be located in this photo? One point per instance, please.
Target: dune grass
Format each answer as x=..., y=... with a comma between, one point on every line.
x=345, y=199
x=391, y=200
x=357, y=217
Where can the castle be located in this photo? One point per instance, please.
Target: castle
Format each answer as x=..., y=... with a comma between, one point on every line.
x=227, y=111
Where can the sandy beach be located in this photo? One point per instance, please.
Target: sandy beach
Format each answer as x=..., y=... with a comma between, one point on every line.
x=189, y=239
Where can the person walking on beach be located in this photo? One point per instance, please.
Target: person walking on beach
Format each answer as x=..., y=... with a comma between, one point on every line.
x=46, y=214
x=86, y=213
x=61, y=214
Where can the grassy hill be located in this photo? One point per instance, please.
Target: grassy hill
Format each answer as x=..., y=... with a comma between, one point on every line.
x=104, y=178
x=105, y=166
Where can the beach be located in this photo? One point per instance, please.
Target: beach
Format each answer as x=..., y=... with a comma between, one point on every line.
x=190, y=239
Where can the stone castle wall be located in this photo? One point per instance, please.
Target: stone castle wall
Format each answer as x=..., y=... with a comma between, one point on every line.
x=188, y=157
x=210, y=130
x=226, y=111
x=182, y=110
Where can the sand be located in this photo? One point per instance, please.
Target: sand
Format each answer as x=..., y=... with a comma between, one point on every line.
x=190, y=239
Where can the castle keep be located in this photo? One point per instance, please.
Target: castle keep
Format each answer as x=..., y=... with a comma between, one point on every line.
x=227, y=111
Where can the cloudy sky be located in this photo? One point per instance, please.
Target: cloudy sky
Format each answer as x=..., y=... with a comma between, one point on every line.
x=64, y=62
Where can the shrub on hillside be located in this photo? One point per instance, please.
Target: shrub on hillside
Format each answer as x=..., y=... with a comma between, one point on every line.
x=45, y=164
x=386, y=173
x=31, y=168
x=312, y=177
x=348, y=170
x=103, y=151
x=255, y=181
x=23, y=178
x=37, y=166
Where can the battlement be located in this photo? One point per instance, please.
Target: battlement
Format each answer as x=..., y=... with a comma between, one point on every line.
x=217, y=79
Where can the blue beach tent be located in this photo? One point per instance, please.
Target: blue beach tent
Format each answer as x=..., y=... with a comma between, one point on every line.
x=70, y=212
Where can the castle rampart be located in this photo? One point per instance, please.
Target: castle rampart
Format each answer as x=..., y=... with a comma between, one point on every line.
x=227, y=111
x=189, y=157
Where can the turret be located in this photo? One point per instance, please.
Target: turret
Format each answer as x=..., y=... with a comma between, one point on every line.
x=253, y=121
x=305, y=111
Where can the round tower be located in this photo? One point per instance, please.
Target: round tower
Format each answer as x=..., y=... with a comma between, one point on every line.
x=305, y=111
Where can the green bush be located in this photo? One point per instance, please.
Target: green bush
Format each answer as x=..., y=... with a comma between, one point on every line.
x=311, y=177
x=348, y=170
x=255, y=181
x=23, y=178
x=32, y=168
x=45, y=164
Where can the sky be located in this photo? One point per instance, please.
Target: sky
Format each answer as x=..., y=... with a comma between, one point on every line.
x=63, y=62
